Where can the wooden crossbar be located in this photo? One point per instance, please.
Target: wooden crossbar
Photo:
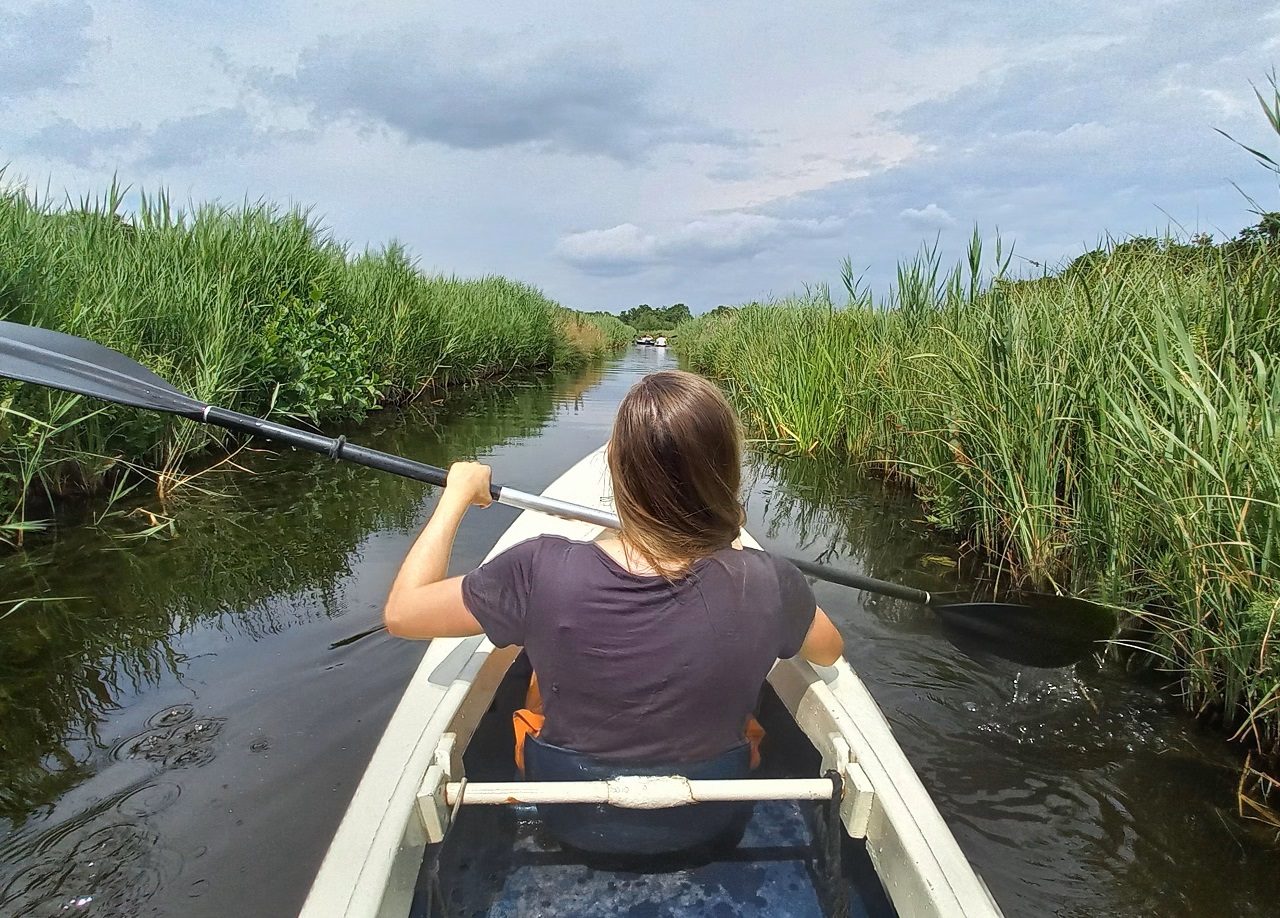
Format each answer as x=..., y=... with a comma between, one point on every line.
x=640, y=792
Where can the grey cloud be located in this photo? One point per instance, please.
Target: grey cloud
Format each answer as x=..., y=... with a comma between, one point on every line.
x=79, y=145
x=627, y=249
x=914, y=24
x=181, y=141
x=575, y=101
x=1058, y=151
x=1052, y=206
x=731, y=171
x=1131, y=80
x=43, y=48
x=207, y=135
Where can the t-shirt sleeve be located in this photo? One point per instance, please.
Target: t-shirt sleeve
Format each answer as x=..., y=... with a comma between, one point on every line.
x=797, y=607
x=497, y=593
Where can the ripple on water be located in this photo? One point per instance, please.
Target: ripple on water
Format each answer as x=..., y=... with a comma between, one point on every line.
x=108, y=860
x=174, y=738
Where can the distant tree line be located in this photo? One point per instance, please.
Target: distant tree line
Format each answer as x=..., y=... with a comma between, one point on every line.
x=645, y=318
x=1262, y=239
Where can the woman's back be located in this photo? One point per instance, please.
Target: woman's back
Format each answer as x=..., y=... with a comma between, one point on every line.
x=655, y=653
x=637, y=667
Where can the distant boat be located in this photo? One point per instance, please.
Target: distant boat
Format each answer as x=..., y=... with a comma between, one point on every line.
x=661, y=342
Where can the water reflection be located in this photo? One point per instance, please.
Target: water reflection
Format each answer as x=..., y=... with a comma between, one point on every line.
x=254, y=555
x=177, y=735
x=836, y=515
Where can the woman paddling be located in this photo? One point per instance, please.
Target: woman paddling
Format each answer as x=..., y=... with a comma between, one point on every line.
x=650, y=645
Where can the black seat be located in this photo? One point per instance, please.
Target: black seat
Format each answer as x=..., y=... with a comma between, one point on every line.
x=604, y=829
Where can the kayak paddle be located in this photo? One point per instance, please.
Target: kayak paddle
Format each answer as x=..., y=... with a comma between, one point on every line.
x=1055, y=631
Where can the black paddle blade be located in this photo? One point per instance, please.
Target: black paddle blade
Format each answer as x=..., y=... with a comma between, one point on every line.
x=50, y=358
x=1051, y=633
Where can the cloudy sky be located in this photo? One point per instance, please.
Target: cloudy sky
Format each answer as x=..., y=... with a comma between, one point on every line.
x=618, y=153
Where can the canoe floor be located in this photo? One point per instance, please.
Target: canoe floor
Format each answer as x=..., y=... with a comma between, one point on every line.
x=497, y=860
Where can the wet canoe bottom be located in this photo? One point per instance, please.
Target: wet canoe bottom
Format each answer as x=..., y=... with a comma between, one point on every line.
x=498, y=861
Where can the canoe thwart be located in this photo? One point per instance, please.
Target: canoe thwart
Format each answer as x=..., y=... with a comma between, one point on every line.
x=440, y=796
x=641, y=792
x=434, y=813
x=859, y=793
x=855, y=806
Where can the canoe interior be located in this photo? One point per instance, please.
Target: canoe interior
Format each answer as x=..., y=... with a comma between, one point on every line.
x=497, y=861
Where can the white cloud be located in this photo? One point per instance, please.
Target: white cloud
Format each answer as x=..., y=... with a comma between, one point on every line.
x=1231, y=105
x=622, y=249
x=929, y=216
x=626, y=248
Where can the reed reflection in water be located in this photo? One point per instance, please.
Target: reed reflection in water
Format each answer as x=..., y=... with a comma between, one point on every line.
x=141, y=671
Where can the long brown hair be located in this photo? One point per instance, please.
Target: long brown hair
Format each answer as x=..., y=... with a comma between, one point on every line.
x=676, y=461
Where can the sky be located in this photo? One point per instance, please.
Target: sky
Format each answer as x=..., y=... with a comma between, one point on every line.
x=621, y=153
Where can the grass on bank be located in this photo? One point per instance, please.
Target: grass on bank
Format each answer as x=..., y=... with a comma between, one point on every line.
x=591, y=334
x=1112, y=430
x=255, y=308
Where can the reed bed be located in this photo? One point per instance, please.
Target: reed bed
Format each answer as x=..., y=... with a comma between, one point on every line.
x=254, y=307
x=1113, y=430
x=591, y=335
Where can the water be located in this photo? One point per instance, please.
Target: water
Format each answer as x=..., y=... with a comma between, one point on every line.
x=182, y=739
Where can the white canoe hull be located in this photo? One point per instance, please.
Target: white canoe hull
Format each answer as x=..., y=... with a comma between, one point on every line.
x=373, y=862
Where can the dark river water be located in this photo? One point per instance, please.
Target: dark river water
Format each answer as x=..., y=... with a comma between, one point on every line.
x=179, y=738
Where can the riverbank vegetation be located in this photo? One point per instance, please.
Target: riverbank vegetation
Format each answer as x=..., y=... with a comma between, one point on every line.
x=255, y=308
x=590, y=335
x=1112, y=430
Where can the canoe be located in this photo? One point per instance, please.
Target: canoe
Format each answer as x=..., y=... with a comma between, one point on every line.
x=866, y=839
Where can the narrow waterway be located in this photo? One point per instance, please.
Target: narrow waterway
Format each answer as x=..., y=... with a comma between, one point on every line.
x=178, y=736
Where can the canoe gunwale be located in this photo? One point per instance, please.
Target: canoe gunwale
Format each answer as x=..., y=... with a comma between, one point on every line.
x=918, y=860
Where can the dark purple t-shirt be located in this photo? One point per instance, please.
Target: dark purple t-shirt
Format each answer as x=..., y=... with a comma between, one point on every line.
x=638, y=668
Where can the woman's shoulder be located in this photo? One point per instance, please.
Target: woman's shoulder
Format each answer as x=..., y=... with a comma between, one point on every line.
x=546, y=541
x=754, y=560
x=547, y=547
x=762, y=569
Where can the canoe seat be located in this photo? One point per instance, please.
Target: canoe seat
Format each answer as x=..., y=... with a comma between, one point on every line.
x=604, y=829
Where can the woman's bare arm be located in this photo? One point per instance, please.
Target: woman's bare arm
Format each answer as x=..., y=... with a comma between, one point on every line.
x=823, y=644
x=422, y=603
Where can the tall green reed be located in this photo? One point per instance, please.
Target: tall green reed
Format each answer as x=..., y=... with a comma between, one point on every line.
x=1112, y=430
x=253, y=307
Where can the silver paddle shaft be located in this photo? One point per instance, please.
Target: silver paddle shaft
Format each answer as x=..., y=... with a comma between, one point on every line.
x=561, y=508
